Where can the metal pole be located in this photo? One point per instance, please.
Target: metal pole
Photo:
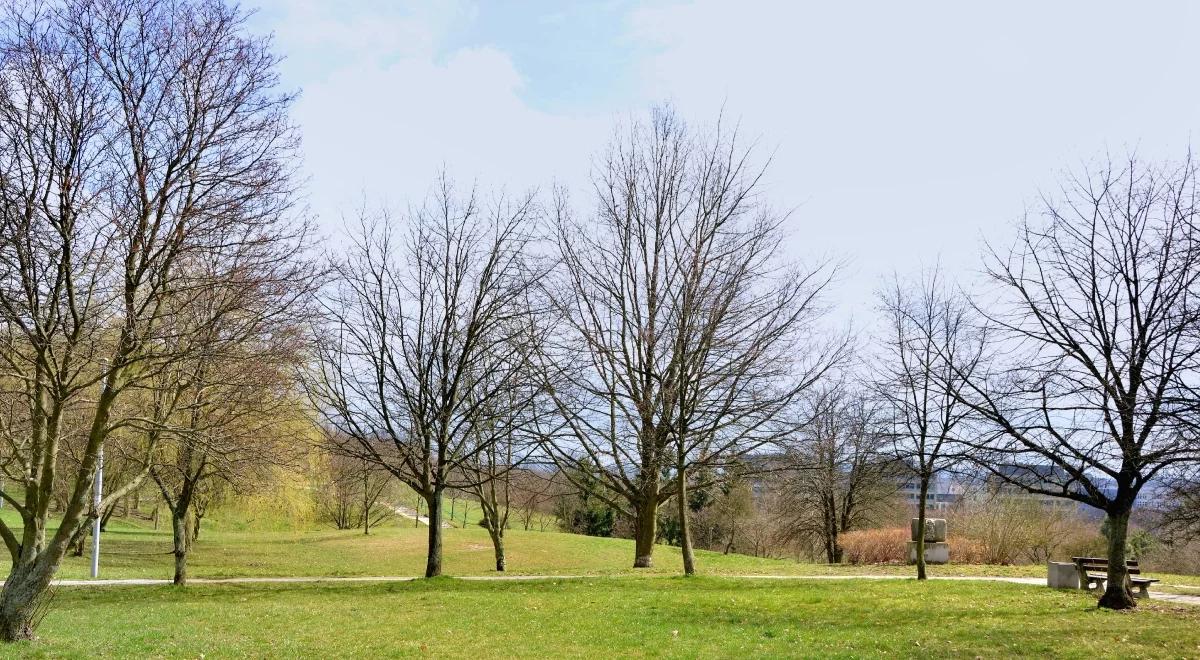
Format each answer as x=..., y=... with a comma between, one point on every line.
x=99, y=488
x=98, y=484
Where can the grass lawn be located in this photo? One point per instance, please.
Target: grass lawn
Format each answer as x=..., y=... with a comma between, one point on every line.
x=134, y=551
x=607, y=616
x=138, y=551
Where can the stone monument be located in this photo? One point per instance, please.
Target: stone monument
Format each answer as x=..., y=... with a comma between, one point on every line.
x=937, y=551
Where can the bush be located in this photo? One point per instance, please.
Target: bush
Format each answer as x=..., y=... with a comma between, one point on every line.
x=875, y=546
x=965, y=550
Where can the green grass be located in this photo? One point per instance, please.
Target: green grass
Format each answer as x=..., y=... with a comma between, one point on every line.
x=605, y=617
x=134, y=550
x=607, y=613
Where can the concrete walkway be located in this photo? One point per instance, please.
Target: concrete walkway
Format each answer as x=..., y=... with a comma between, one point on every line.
x=1155, y=595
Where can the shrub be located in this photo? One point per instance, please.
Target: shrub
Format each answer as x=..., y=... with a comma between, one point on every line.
x=965, y=550
x=875, y=546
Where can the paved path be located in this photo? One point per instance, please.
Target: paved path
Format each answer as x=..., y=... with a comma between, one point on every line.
x=1156, y=595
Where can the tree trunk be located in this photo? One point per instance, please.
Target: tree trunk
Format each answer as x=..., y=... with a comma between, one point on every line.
x=1118, y=591
x=196, y=518
x=497, y=535
x=79, y=538
x=921, y=527
x=24, y=588
x=179, y=538
x=685, y=537
x=433, y=558
x=646, y=528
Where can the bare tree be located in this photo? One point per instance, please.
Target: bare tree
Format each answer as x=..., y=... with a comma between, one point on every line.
x=681, y=332
x=931, y=346
x=1089, y=394
x=352, y=493
x=415, y=325
x=1180, y=517
x=231, y=409
x=841, y=469
x=534, y=489
x=135, y=137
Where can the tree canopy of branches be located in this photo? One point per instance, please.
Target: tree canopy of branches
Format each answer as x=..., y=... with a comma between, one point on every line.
x=1089, y=393
x=840, y=469
x=682, y=335
x=227, y=408
x=428, y=351
x=136, y=138
x=931, y=345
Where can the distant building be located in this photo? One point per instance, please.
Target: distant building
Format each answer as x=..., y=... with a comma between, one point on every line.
x=944, y=492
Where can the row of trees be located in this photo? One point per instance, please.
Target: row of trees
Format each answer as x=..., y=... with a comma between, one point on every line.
x=156, y=300
x=152, y=279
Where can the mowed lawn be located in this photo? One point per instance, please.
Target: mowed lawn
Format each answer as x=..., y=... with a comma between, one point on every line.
x=138, y=551
x=400, y=550
x=606, y=617
x=612, y=610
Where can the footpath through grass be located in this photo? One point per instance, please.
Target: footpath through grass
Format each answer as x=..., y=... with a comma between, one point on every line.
x=606, y=617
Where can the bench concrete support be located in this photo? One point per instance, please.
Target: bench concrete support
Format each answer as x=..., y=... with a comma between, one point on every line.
x=1062, y=575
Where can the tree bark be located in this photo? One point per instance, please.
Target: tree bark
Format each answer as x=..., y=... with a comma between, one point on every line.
x=433, y=558
x=1118, y=591
x=685, y=537
x=497, y=535
x=924, y=492
x=646, y=528
x=24, y=587
x=179, y=538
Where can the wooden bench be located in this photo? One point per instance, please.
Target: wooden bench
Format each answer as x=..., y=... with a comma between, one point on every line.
x=1093, y=573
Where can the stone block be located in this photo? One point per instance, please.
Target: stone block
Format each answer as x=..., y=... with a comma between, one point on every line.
x=935, y=529
x=1062, y=575
x=936, y=552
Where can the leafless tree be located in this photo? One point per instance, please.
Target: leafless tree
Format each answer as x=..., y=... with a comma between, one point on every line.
x=1089, y=394
x=533, y=489
x=841, y=469
x=135, y=136
x=683, y=334
x=931, y=345
x=416, y=324
x=227, y=409
x=1180, y=514
x=354, y=492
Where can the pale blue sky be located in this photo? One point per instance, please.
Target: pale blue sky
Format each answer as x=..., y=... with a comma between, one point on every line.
x=903, y=133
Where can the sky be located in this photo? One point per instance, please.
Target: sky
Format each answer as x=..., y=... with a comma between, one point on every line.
x=902, y=134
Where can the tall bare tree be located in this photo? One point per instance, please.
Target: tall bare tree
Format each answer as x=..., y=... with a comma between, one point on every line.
x=1089, y=394
x=931, y=345
x=135, y=136
x=427, y=339
x=683, y=333
x=839, y=469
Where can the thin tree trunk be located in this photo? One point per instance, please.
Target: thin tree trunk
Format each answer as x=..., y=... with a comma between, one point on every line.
x=366, y=510
x=433, y=559
x=921, y=527
x=685, y=538
x=497, y=534
x=646, y=528
x=179, y=538
x=1118, y=592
